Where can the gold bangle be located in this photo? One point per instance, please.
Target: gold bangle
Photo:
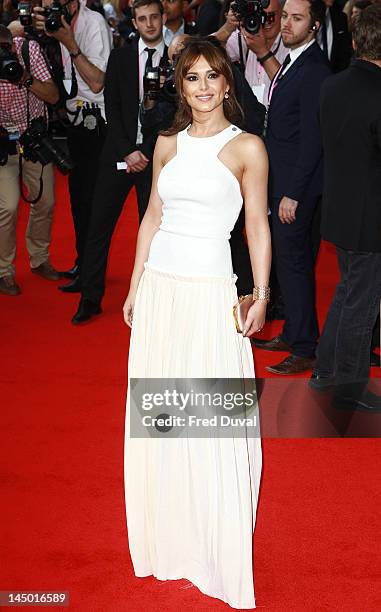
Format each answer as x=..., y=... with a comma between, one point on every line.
x=261, y=293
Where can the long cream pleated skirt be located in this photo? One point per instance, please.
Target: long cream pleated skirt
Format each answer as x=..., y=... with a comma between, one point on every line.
x=191, y=502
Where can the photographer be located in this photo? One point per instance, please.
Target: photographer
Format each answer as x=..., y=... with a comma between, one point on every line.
x=127, y=156
x=260, y=54
x=23, y=93
x=85, y=41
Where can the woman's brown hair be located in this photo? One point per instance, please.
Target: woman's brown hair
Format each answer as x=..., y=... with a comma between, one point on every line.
x=216, y=56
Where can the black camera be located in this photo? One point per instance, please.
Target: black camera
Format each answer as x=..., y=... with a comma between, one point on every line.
x=151, y=82
x=38, y=146
x=251, y=13
x=10, y=67
x=25, y=14
x=53, y=14
x=169, y=87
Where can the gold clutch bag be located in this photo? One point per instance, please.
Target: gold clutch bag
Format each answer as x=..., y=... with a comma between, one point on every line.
x=240, y=311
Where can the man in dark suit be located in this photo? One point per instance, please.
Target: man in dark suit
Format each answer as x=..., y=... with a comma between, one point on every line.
x=294, y=148
x=124, y=143
x=334, y=37
x=351, y=220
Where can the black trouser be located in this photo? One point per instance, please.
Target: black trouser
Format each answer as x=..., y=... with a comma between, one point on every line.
x=376, y=334
x=112, y=189
x=85, y=148
x=344, y=346
x=292, y=252
x=276, y=301
x=241, y=257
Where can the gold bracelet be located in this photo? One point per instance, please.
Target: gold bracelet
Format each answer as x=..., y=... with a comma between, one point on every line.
x=261, y=293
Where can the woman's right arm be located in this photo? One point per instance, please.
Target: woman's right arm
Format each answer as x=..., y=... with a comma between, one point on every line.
x=148, y=227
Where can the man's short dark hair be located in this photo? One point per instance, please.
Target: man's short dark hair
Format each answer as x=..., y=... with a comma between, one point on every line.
x=317, y=11
x=367, y=33
x=139, y=3
x=5, y=35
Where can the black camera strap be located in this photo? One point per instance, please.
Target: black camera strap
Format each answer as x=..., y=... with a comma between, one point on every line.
x=26, y=59
x=74, y=84
x=242, y=59
x=21, y=184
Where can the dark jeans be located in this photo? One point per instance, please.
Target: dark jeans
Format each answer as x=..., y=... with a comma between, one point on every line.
x=344, y=347
x=85, y=148
x=112, y=189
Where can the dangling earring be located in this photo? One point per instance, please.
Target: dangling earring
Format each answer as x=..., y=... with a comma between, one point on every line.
x=226, y=95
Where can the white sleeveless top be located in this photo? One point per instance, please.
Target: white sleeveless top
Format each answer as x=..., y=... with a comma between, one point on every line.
x=201, y=203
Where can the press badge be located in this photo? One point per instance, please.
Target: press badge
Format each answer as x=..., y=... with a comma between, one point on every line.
x=13, y=132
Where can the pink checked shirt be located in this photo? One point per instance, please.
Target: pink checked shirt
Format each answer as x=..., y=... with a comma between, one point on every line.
x=13, y=97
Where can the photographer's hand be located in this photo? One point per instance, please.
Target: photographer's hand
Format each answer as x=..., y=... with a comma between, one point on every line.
x=91, y=74
x=136, y=161
x=47, y=91
x=231, y=24
x=65, y=35
x=39, y=19
x=258, y=44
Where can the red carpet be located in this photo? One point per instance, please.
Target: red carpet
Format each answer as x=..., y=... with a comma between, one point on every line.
x=62, y=507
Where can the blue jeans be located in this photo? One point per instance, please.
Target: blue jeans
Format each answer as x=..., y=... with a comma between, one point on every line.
x=345, y=343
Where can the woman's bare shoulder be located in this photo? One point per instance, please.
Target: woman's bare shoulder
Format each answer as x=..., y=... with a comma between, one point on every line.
x=249, y=148
x=249, y=141
x=165, y=145
x=165, y=140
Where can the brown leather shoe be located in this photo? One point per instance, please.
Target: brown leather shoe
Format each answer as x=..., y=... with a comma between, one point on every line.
x=47, y=271
x=292, y=365
x=276, y=344
x=8, y=285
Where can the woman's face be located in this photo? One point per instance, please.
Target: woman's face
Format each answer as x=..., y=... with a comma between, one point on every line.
x=203, y=87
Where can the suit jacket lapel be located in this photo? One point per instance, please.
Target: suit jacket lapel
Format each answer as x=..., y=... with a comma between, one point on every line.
x=133, y=70
x=293, y=70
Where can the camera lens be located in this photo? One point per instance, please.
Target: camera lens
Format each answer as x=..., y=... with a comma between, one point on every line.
x=12, y=71
x=53, y=23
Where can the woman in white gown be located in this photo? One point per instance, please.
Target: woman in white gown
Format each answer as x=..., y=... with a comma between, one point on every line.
x=191, y=503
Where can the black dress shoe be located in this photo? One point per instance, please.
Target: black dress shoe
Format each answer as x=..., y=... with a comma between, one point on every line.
x=275, y=344
x=369, y=402
x=320, y=383
x=72, y=273
x=73, y=287
x=293, y=364
x=374, y=360
x=86, y=310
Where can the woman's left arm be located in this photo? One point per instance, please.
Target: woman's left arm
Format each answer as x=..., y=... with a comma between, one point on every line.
x=254, y=190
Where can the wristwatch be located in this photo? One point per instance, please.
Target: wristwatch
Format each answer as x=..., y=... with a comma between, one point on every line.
x=74, y=55
x=266, y=57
